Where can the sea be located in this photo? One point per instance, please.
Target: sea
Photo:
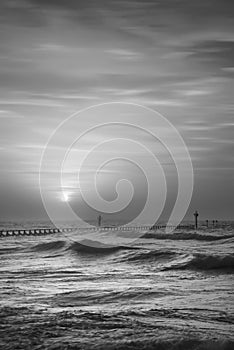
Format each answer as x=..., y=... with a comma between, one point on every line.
x=159, y=291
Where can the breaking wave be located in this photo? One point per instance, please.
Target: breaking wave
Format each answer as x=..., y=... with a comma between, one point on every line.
x=165, y=259
x=83, y=246
x=90, y=246
x=172, y=260
x=207, y=262
x=188, y=236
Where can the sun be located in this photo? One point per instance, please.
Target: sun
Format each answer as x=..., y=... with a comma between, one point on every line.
x=65, y=196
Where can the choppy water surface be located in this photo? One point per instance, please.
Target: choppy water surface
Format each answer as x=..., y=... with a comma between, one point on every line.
x=170, y=291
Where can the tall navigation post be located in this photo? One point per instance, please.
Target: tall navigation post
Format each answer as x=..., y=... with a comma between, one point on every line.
x=195, y=218
x=99, y=221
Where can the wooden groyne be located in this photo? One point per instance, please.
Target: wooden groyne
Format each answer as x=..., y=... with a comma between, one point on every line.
x=49, y=231
x=34, y=232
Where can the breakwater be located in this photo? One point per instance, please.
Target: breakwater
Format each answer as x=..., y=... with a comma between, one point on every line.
x=49, y=231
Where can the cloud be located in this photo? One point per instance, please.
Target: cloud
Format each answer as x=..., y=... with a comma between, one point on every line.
x=31, y=102
x=125, y=54
x=9, y=114
x=60, y=56
x=196, y=92
x=228, y=69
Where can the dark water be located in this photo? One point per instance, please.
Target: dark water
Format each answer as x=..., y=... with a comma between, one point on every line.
x=164, y=292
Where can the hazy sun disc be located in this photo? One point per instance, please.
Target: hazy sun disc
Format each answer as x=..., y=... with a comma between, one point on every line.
x=65, y=197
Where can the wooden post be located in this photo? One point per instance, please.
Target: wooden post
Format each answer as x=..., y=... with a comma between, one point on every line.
x=195, y=217
x=207, y=223
x=99, y=221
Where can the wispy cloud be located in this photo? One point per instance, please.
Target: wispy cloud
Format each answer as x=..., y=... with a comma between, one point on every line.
x=58, y=57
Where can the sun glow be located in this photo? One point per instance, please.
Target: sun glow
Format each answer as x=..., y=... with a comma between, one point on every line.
x=65, y=196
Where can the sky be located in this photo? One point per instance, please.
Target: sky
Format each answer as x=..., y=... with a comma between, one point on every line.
x=58, y=57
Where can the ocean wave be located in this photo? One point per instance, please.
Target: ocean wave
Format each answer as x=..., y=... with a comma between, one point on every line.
x=8, y=250
x=187, y=236
x=95, y=247
x=198, y=314
x=54, y=245
x=204, y=262
x=165, y=259
x=87, y=297
x=169, y=259
x=105, y=331
x=145, y=254
x=84, y=246
x=212, y=262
